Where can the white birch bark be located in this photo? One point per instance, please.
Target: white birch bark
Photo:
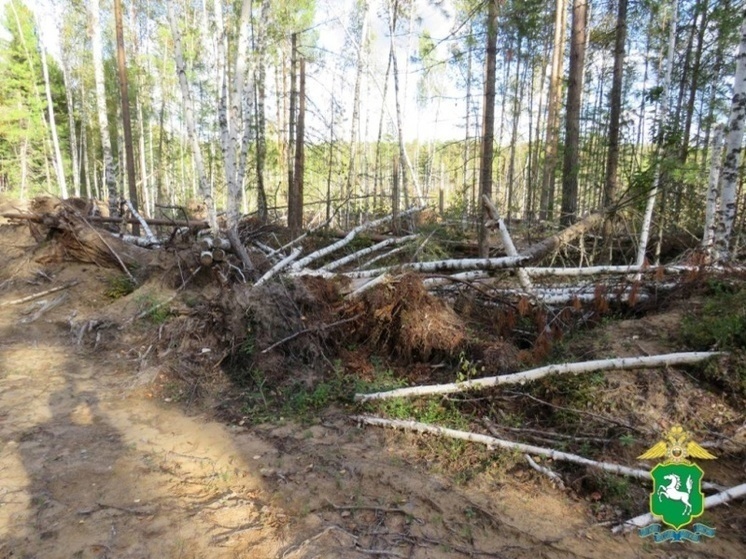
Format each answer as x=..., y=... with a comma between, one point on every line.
x=494, y=442
x=364, y=252
x=713, y=191
x=622, y=363
x=733, y=148
x=648, y=217
x=71, y=124
x=280, y=266
x=188, y=104
x=439, y=266
x=342, y=242
x=507, y=241
x=721, y=498
x=58, y=165
x=110, y=178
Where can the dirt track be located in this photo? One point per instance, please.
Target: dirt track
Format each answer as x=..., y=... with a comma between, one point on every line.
x=93, y=466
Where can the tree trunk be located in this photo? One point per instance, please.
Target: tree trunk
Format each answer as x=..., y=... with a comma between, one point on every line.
x=356, y=108
x=204, y=187
x=126, y=121
x=488, y=126
x=733, y=150
x=295, y=205
x=546, y=202
x=58, y=165
x=571, y=163
x=612, y=157
x=711, y=204
x=291, y=115
x=261, y=128
x=74, y=147
x=648, y=217
x=110, y=177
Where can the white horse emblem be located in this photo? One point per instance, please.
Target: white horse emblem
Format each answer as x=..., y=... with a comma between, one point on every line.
x=671, y=491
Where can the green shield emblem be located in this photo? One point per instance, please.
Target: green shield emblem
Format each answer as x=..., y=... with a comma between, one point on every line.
x=677, y=496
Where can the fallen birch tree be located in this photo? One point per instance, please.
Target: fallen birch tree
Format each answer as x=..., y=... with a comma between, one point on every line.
x=493, y=442
x=621, y=363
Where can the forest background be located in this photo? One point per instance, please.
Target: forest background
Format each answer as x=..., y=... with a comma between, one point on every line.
x=385, y=103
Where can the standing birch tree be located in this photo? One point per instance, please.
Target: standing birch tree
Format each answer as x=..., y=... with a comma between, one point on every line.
x=733, y=150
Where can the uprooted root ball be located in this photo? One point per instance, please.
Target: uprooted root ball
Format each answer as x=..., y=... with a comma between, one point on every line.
x=403, y=318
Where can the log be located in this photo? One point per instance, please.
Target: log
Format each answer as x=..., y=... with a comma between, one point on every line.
x=277, y=268
x=364, y=252
x=39, y=218
x=621, y=363
x=298, y=266
x=494, y=442
x=439, y=266
x=510, y=249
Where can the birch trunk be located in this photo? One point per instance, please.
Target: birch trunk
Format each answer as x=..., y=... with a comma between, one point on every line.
x=58, y=165
x=733, y=147
x=73, y=131
x=356, y=105
x=110, y=178
x=188, y=105
x=623, y=363
x=648, y=217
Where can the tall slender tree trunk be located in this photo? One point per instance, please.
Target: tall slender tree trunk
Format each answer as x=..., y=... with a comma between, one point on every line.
x=188, y=105
x=291, y=115
x=356, y=108
x=260, y=99
x=488, y=126
x=665, y=96
x=611, y=184
x=514, y=132
x=546, y=201
x=295, y=206
x=74, y=147
x=126, y=120
x=379, y=137
x=689, y=116
x=733, y=150
x=58, y=165
x=110, y=177
x=571, y=165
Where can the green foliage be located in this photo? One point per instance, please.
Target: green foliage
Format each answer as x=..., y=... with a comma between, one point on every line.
x=119, y=286
x=720, y=323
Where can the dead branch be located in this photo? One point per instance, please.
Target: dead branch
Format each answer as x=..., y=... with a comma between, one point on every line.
x=39, y=294
x=240, y=250
x=721, y=498
x=45, y=306
x=551, y=474
x=368, y=285
x=622, y=363
x=308, y=330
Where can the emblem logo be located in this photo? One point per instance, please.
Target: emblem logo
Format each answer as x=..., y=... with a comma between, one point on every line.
x=677, y=496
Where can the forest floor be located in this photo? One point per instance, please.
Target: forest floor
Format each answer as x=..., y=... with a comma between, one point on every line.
x=103, y=454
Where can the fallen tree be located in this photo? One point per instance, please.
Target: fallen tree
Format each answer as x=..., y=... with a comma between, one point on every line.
x=622, y=363
x=494, y=442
